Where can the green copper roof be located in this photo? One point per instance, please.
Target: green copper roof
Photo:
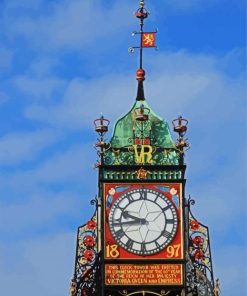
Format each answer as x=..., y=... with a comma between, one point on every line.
x=123, y=131
x=153, y=132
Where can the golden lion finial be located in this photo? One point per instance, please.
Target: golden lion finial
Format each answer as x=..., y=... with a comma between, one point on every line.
x=72, y=288
x=217, y=290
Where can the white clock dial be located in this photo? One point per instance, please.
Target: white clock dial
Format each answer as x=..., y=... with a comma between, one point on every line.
x=143, y=221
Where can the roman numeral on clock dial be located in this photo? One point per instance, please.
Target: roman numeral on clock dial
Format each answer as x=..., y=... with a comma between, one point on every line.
x=166, y=208
x=129, y=244
x=119, y=233
x=166, y=234
x=130, y=197
x=157, y=244
x=143, y=195
x=143, y=247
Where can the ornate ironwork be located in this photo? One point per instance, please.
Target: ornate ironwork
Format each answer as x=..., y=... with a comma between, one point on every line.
x=89, y=284
x=142, y=14
x=200, y=256
x=101, y=127
x=190, y=276
x=217, y=290
x=180, y=127
x=87, y=258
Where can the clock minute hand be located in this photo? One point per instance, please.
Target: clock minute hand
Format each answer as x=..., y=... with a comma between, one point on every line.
x=135, y=222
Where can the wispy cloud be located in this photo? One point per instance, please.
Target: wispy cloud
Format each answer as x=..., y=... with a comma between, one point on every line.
x=230, y=265
x=78, y=107
x=16, y=148
x=71, y=24
x=6, y=59
x=39, y=88
x=180, y=83
x=49, y=258
x=24, y=4
x=42, y=213
x=43, y=67
x=3, y=97
x=64, y=168
x=189, y=5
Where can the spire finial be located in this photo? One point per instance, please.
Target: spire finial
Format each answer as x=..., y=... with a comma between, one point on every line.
x=147, y=39
x=142, y=14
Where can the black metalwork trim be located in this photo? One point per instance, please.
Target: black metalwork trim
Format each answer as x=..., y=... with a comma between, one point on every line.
x=89, y=284
x=199, y=270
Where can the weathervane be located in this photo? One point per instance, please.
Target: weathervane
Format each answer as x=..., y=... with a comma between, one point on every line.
x=147, y=40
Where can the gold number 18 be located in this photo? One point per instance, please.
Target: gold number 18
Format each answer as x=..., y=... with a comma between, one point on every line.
x=112, y=251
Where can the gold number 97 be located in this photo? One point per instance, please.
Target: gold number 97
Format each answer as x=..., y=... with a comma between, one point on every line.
x=173, y=251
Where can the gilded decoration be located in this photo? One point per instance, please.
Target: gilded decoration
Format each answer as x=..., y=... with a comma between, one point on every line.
x=72, y=288
x=144, y=293
x=142, y=174
x=217, y=290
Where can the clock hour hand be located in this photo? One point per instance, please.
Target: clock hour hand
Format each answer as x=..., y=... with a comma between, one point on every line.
x=138, y=220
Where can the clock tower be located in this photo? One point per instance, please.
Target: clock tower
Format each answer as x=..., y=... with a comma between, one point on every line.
x=142, y=238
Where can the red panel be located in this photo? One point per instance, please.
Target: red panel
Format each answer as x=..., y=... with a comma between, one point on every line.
x=148, y=39
x=172, y=191
x=152, y=274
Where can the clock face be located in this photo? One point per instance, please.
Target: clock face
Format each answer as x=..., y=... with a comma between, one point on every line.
x=143, y=221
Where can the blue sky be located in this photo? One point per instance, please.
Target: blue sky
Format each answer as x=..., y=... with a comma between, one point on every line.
x=61, y=64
